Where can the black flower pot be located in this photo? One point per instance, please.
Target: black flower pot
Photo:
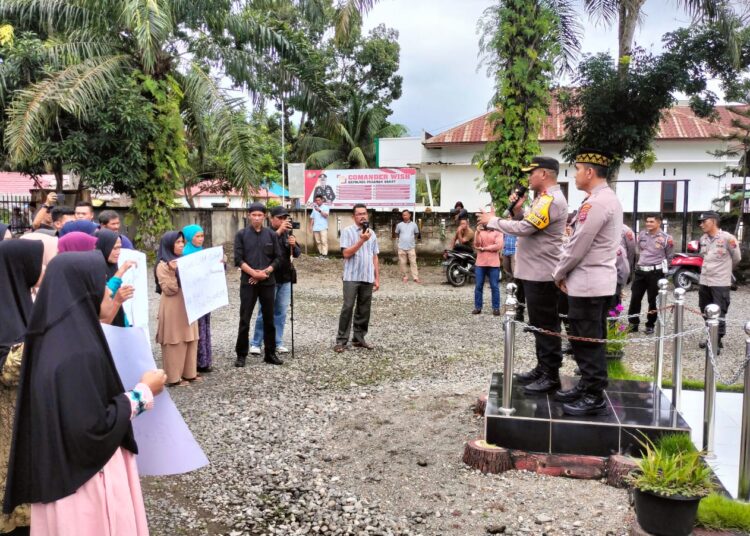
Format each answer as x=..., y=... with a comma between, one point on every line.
x=666, y=516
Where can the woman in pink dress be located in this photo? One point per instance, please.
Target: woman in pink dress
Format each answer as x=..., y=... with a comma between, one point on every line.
x=73, y=451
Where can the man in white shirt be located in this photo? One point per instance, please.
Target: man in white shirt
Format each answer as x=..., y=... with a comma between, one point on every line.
x=407, y=232
x=319, y=223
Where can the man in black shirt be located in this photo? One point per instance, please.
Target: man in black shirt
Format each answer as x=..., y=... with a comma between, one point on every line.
x=288, y=243
x=258, y=255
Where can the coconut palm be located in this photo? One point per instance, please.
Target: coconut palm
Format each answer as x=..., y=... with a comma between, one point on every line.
x=350, y=142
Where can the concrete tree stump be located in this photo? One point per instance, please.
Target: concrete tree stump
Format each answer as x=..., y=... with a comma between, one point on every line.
x=618, y=468
x=479, y=454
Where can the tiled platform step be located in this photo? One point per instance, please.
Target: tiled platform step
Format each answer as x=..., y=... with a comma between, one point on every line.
x=539, y=425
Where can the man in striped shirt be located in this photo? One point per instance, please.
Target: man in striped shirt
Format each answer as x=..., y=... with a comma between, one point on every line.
x=359, y=245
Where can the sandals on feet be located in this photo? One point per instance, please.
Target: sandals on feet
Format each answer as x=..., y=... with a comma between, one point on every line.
x=181, y=383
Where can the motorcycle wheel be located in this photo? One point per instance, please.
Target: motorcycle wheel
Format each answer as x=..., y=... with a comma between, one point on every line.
x=455, y=276
x=681, y=280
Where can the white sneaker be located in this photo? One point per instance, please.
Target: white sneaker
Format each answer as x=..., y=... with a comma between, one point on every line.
x=255, y=350
x=282, y=349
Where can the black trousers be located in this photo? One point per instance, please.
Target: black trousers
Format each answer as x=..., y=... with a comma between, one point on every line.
x=249, y=295
x=357, y=303
x=586, y=318
x=644, y=283
x=541, y=306
x=716, y=295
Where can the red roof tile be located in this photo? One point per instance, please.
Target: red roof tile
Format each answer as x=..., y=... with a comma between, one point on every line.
x=679, y=122
x=14, y=183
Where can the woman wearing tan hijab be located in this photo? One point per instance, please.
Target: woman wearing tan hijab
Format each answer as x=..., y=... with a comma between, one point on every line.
x=178, y=337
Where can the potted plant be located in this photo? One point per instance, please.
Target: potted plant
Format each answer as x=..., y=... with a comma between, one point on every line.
x=617, y=332
x=668, y=488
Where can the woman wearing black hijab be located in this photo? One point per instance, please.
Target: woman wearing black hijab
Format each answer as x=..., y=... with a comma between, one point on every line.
x=73, y=449
x=20, y=271
x=110, y=244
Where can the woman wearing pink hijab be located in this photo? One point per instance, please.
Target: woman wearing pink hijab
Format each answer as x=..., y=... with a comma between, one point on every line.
x=76, y=241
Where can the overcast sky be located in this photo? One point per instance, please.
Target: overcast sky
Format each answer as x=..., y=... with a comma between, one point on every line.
x=439, y=55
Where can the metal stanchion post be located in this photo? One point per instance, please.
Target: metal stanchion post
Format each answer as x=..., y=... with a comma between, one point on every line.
x=679, y=321
x=661, y=305
x=509, y=330
x=743, y=493
x=709, y=395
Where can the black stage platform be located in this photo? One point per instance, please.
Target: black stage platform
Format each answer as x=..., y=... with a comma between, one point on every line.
x=539, y=425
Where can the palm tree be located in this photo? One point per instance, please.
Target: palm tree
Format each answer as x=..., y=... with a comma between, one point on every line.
x=350, y=140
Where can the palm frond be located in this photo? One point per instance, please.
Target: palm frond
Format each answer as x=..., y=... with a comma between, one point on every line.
x=54, y=15
x=602, y=11
x=323, y=159
x=207, y=100
x=357, y=157
x=151, y=23
x=348, y=15
x=64, y=50
x=76, y=90
x=569, y=33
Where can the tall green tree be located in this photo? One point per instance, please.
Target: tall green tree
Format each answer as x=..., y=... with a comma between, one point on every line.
x=738, y=147
x=350, y=141
x=524, y=42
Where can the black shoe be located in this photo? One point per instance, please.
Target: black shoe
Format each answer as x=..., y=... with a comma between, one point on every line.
x=633, y=328
x=205, y=370
x=545, y=384
x=240, y=361
x=476, y=312
x=588, y=404
x=649, y=330
x=531, y=376
x=570, y=395
x=496, y=312
x=273, y=359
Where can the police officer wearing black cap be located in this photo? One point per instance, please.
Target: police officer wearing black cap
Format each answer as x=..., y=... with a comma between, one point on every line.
x=258, y=255
x=721, y=254
x=540, y=235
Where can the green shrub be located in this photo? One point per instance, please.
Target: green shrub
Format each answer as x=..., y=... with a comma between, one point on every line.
x=671, y=444
x=720, y=512
x=683, y=473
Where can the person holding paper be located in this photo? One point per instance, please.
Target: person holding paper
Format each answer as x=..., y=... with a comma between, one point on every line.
x=194, y=238
x=258, y=255
x=21, y=263
x=177, y=336
x=73, y=451
x=110, y=244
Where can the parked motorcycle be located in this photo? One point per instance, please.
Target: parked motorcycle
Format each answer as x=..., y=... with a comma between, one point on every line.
x=459, y=265
x=685, y=268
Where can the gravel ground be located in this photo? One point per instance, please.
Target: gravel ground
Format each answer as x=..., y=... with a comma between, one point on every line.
x=369, y=442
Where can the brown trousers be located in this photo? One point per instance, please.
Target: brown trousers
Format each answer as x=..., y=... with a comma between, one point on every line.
x=180, y=360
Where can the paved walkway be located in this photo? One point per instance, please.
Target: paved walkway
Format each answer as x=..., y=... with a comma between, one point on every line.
x=728, y=427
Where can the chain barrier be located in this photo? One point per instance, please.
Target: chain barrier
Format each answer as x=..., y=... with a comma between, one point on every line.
x=634, y=315
x=641, y=340
x=712, y=357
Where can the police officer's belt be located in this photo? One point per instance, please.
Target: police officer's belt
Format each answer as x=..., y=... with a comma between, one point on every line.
x=648, y=268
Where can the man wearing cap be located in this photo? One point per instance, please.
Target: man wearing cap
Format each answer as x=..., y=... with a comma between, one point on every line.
x=721, y=254
x=656, y=249
x=284, y=276
x=586, y=272
x=258, y=255
x=540, y=233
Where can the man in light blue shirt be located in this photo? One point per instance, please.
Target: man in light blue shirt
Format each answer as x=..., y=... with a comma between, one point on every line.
x=407, y=232
x=359, y=245
x=319, y=223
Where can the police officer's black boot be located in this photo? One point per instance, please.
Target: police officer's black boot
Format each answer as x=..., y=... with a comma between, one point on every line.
x=570, y=395
x=524, y=378
x=549, y=381
x=588, y=404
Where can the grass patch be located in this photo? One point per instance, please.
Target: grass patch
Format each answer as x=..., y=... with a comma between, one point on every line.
x=720, y=512
x=671, y=444
x=617, y=370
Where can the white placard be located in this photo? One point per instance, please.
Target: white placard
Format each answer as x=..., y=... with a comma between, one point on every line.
x=165, y=444
x=204, y=282
x=136, y=308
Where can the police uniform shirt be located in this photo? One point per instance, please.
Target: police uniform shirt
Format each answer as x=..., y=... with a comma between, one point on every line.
x=540, y=233
x=622, y=265
x=628, y=242
x=721, y=253
x=654, y=248
x=588, y=260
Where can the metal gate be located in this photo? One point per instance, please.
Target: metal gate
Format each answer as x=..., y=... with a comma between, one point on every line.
x=16, y=212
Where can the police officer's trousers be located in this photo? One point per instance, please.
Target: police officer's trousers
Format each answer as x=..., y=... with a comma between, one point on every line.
x=586, y=316
x=716, y=295
x=644, y=283
x=541, y=305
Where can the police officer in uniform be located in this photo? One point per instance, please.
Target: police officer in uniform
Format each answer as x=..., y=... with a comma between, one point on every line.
x=586, y=272
x=539, y=233
x=721, y=254
x=628, y=244
x=655, y=249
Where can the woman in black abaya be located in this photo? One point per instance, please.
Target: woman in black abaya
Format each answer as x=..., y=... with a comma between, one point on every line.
x=110, y=244
x=20, y=271
x=72, y=424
